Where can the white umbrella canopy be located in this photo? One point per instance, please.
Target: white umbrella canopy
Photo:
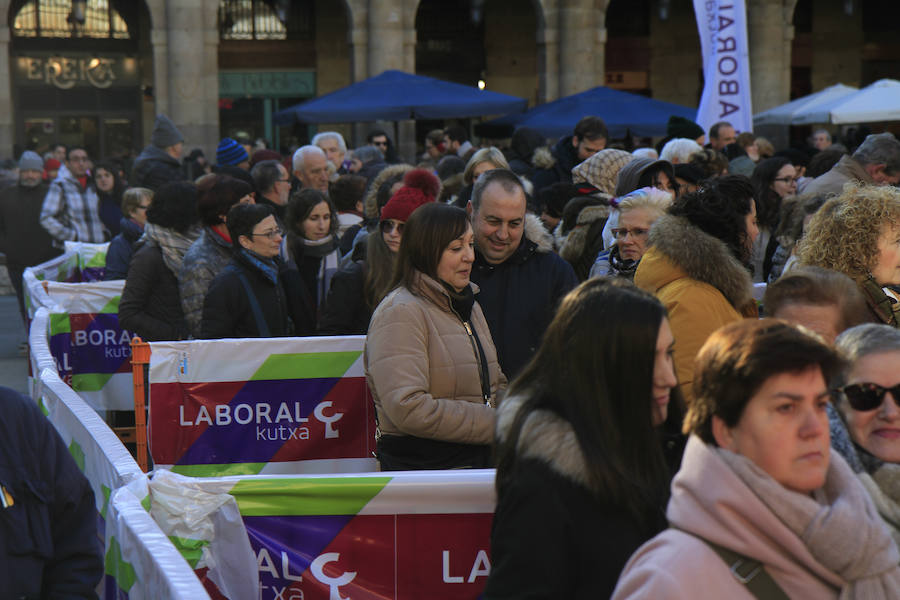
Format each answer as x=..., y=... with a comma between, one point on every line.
x=879, y=101
x=786, y=114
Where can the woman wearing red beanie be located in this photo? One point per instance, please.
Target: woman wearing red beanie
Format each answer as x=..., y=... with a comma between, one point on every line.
x=359, y=286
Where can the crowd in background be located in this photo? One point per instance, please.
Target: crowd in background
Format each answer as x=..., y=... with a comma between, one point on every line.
x=616, y=331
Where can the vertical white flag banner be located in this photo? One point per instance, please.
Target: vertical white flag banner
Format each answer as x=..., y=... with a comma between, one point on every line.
x=726, y=64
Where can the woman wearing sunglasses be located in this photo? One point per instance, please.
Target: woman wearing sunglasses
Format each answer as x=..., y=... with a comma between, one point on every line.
x=868, y=406
x=359, y=286
x=761, y=507
x=430, y=361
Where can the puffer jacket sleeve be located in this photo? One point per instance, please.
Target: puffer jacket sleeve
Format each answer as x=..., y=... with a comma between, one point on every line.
x=397, y=364
x=144, y=275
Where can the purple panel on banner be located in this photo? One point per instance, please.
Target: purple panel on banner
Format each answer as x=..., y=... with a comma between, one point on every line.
x=232, y=439
x=301, y=538
x=99, y=345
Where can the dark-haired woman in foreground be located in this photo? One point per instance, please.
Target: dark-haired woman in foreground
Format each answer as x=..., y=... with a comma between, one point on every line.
x=430, y=360
x=582, y=465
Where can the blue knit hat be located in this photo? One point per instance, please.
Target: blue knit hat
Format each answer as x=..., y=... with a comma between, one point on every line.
x=230, y=152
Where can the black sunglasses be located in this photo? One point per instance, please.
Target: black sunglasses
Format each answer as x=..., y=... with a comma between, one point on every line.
x=388, y=226
x=869, y=396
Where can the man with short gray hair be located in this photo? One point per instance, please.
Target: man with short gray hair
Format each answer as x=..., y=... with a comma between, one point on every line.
x=821, y=139
x=332, y=143
x=311, y=168
x=273, y=185
x=875, y=162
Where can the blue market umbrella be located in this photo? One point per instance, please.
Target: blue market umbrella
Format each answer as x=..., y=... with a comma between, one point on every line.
x=620, y=110
x=394, y=96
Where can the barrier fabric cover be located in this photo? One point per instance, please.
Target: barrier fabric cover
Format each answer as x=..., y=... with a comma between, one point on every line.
x=93, y=354
x=139, y=561
x=405, y=536
x=260, y=406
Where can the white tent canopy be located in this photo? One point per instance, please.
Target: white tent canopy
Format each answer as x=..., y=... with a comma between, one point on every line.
x=879, y=101
x=786, y=114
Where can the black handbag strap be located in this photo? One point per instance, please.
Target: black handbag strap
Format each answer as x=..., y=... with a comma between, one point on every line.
x=748, y=571
x=261, y=326
x=483, y=368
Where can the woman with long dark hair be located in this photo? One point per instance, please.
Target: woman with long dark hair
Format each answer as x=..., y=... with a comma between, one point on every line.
x=580, y=446
x=773, y=179
x=109, y=191
x=430, y=361
x=312, y=243
x=359, y=286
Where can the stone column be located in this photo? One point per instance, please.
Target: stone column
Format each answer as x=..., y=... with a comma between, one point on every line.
x=7, y=125
x=392, y=45
x=578, y=35
x=192, y=72
x=769, y=37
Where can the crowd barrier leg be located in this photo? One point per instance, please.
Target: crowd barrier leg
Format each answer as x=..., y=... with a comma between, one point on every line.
x=140, y=358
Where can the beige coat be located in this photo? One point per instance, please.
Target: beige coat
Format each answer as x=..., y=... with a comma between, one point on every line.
x=423, y=370
x=832, y=183
x=711, y=501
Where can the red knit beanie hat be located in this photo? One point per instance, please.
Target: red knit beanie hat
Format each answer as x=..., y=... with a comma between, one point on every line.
x=420, y=187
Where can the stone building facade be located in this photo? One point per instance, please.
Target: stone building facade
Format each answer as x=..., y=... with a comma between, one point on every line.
x=187, y=62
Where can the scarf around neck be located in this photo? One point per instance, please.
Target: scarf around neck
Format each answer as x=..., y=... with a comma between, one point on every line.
x=462, y=302
x=266, y=266
x=838, y=524
x=172, y=243
x=319, y=248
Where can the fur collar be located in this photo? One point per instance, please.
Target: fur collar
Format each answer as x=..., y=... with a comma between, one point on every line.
x=576, y=242
x=545, y=437
x=537, y=233
x=543, y=158
x=702, y=257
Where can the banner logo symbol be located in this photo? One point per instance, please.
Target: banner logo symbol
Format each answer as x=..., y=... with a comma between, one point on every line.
x=334, y=583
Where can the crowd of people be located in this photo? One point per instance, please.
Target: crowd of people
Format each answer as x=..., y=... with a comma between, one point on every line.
x=679, y=358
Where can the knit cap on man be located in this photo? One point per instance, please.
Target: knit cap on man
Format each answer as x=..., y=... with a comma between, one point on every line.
x=30, y=161
x=420, y=187
x=230, y=152
x=683, y=128
x=165, y=133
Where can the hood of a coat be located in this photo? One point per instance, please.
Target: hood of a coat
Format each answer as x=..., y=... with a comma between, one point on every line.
x=574, y=243
x=630, y=175
x=543, y=158
x=602, y=169
x=699, y=256
x=545, y=437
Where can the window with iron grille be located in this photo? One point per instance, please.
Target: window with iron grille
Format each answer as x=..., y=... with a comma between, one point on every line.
x=265, y=20
x=63, y=19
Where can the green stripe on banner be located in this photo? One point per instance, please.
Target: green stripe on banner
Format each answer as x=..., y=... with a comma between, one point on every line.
x=90, y=382
x=77, y=453
x=43, y=407
x=97, y=260
x=59, y=323
x=146, y=502
x=306, y=366
x=113, y=305
x=116, y=566
x=191, y=550
x=106, y=494
x=305, y=497
x=219, y=470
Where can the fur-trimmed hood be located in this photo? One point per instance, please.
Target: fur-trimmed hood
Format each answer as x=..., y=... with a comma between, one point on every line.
x=545, y=437
x=700, y=256
x=537, y=233
x=574, y=244
x=543, y=158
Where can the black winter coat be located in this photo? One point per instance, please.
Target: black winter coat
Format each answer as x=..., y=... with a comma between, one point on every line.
x=519, y=298
x=121, y=248
x=154, y=167
x=48, y=535
x=566, y=156
x=151, y=304
x=227, y=311
x=346, y=311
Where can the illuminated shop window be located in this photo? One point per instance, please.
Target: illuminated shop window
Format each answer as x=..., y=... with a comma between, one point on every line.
x=67, y=18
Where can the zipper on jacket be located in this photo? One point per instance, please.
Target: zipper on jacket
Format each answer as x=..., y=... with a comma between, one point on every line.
x=471, y=334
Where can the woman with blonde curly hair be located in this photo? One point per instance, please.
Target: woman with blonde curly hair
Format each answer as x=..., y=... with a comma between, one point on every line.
x=858, y=234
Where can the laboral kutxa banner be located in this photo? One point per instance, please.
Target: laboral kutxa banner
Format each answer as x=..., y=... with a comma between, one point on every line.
x=250, y=406
x=722, y=25
x=400, y=536
x=92, y=353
